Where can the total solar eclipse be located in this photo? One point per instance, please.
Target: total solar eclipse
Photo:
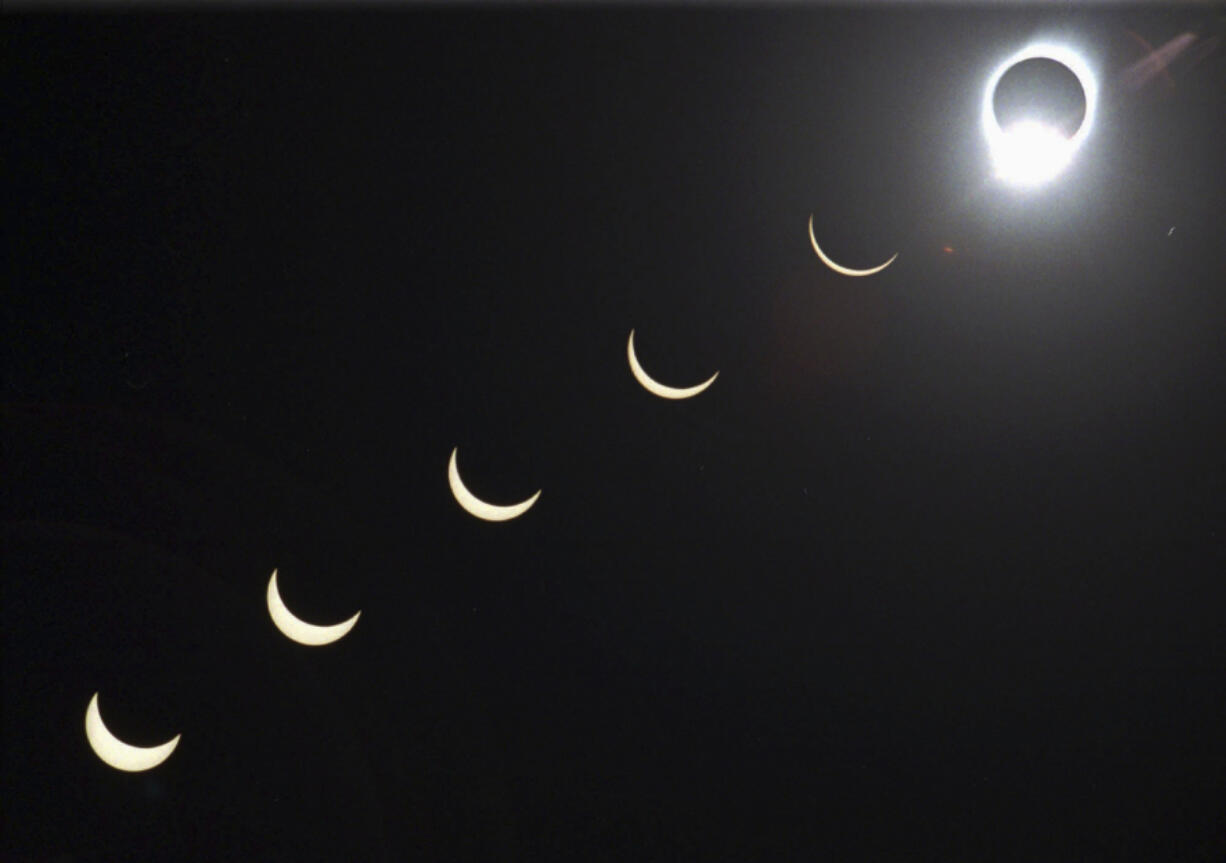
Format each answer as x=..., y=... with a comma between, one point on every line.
x=1038, y=109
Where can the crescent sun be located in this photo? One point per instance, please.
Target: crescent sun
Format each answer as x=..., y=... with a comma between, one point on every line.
x=299, y=630
x=474, y=505
x=116, y=753
x=655, y=387
x=839, y=268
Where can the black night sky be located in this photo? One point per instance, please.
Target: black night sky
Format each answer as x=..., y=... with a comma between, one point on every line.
x=936, y=569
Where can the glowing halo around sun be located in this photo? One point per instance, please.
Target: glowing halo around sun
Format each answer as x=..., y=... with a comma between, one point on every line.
x=839, y=268
x=656, y=388
x=296, y=629
x=116, y=753
x=1030, y=153
x=474, y=505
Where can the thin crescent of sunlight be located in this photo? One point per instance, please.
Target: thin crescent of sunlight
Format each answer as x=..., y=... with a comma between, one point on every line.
x=296, y=629
x=653, y=386
x=474, y=505
x=116, y=753
x=839, y=268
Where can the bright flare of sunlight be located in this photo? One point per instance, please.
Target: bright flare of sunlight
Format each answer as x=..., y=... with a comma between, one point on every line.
x=1029, y=153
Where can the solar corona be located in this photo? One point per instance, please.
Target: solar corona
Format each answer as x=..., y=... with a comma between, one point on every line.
x=879, y=445
x=1028, y=153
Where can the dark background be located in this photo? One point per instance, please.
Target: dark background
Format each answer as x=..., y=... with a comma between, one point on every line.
x=934, y=571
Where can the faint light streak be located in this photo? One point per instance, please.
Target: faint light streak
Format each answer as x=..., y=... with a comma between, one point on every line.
x=1203, y=50
x=1156, y=61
